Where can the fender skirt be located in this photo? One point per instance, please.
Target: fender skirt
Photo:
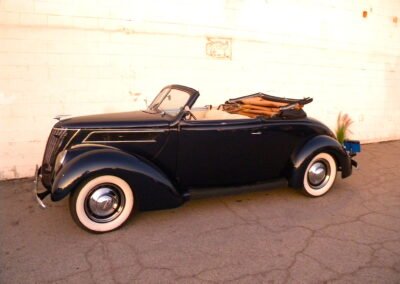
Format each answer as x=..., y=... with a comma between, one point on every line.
x=152, y=188
x=322, y=143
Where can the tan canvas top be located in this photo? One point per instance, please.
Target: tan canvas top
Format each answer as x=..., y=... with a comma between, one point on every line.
x=261, y=104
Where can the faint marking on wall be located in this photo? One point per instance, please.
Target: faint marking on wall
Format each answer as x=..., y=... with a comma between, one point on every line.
x=219, y=47
x=4, y=99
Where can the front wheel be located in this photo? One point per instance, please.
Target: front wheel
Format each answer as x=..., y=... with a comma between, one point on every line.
x=102, y=204
x=319, y=175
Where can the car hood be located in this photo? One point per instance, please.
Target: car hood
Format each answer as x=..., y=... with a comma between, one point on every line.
x=116, y=120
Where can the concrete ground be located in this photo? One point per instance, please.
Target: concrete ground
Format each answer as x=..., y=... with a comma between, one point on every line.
x=351, y=235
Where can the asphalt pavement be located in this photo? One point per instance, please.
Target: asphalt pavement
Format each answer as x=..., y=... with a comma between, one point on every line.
x=272, y=235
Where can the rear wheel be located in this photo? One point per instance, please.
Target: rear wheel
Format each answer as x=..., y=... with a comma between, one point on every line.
x=319, y=175
x=102, y=204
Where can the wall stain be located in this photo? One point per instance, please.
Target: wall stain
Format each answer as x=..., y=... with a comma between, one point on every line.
x=15, y=172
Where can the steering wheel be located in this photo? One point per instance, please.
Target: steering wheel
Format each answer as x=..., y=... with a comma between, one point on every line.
x=189, y=115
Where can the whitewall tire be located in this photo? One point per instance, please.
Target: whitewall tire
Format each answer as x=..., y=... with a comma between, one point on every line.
x=320, y=175
x=102, y=204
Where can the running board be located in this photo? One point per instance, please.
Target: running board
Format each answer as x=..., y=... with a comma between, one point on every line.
x=198, y=193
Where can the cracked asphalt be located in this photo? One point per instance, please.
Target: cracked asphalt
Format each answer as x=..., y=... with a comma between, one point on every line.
x=274, y=235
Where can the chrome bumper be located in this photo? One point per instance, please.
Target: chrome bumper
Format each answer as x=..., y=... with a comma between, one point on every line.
x=39, y=196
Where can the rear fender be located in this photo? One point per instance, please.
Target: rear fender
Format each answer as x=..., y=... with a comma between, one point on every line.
x=152, y=188
x=302, y=155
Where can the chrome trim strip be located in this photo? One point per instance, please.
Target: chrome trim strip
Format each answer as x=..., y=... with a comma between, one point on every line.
x=58, y=128
x=127, y=141
x=92, y=145
x=115, y=129
x=127, y=130
x=85, y=140
x=70, y=140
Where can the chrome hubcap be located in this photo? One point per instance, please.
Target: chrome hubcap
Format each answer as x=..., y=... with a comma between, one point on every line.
x=318, y=174
x=104, y=203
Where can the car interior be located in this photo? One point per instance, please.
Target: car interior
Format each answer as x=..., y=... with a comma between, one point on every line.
x=213, y=113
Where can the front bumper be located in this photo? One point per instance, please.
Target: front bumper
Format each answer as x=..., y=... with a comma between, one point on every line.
x=39, y=196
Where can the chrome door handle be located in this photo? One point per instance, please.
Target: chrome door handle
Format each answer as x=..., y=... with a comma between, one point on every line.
x=256, y=133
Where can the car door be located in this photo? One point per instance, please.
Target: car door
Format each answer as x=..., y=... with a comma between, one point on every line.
x=225, y=152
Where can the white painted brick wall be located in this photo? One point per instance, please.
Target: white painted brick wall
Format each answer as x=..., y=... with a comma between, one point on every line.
x=82, y=57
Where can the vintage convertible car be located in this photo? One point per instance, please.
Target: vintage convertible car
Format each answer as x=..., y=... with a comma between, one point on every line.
x=112, y=164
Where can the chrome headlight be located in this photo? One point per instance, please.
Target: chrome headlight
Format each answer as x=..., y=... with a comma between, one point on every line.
x=60, y=160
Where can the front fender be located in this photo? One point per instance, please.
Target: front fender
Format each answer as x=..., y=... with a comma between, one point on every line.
x=152, y=188
x=306, y=152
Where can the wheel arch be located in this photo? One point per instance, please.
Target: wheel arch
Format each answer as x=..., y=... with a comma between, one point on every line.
x=152, y=188
x=304, y=153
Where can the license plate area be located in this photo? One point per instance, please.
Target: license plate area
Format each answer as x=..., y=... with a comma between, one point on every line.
x=352, y=146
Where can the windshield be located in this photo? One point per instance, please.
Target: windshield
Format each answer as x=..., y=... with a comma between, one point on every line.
x=170, y=101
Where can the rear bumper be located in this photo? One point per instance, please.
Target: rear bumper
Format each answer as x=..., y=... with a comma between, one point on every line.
x=39, y=196
x=348, y=164
x=354, y=164
x=352, y=147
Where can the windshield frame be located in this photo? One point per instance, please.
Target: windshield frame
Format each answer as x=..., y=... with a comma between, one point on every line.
x=163, y=94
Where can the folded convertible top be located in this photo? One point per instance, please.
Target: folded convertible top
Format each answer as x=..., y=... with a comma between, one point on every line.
x=265, y=105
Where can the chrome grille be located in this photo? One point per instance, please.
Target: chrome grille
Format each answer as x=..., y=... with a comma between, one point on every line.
x=55, y=140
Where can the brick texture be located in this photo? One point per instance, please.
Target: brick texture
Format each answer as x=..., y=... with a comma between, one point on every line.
x=82, y=57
